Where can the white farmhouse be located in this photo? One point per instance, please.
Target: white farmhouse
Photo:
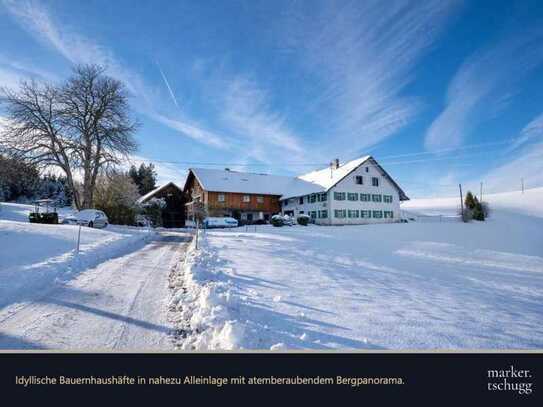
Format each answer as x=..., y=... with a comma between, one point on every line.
x=357, y=192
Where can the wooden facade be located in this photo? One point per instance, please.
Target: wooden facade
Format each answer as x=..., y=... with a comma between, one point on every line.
x=173, y=215
x=244, y=207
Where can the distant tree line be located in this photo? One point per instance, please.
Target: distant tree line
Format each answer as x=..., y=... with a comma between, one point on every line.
x=22, y=181
x=116, y=192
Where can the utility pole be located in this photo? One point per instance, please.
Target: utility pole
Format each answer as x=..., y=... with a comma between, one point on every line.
x=196, y=234
x=522, y=184
x=462, y=203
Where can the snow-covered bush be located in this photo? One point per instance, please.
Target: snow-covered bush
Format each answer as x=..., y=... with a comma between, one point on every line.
x=277, y=220
x=303, y=220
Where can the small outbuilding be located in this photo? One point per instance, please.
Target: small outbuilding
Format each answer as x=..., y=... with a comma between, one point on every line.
x=173, y=214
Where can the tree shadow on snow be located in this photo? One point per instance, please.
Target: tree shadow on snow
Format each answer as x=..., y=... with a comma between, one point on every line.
x=16, y=342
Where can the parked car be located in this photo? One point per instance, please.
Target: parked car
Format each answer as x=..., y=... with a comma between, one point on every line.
x=225, y=222
x=92, y=218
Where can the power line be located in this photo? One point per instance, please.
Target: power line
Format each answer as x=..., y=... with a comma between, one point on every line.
x=324, y=164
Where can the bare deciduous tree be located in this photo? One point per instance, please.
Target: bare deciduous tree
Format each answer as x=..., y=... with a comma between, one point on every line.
x=82, y=126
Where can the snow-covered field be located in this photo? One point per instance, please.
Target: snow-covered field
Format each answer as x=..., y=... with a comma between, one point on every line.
x=421, y=285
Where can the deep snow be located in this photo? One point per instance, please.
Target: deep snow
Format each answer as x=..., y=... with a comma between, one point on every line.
x=421, y=285
x=121, y=303
x=35, y=258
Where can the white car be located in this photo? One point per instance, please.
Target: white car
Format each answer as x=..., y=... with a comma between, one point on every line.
x=92, y=218
x=225, y=222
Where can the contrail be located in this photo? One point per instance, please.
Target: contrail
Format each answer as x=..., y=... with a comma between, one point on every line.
x=167, y=85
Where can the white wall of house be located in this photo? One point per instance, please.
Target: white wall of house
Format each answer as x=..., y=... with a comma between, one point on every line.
x=317, y=203
x=349, y=185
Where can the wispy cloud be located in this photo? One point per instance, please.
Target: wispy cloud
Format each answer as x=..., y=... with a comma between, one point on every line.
x=363, y=55
x=484, y=85
x=526, y=165
x=532, y=131
x=246, y=112
x=76, y=48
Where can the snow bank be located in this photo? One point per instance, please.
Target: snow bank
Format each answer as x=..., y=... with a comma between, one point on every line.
x=203, y=298
x=35, y=257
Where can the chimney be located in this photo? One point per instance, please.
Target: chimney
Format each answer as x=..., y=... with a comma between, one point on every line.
x=336, y=164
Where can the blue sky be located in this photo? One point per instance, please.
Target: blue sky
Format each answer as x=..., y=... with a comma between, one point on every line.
x=440, y=92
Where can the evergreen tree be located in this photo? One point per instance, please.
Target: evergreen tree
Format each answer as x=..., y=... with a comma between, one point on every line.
x=18, y=179
x=144, y=177
x=134, y=174
x=147, y=175
x=470, y=201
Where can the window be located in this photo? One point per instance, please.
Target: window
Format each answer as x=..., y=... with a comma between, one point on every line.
x=365, y=197
x=387, y=198
x=339, y=196
x=312, y=198
x=260, y=199
x=352, y=196
x=313, y=214
x=301, y=212
x=353, y=213
x=365, y=214
x=220, y=198
x=389, y=214
x=359, y=180
x=340, y=213
x=376, y=198
x=375, y=181
x=323, y=197
x=377, y=214
x=246, y=198
x=367, y=169
x=301, y=200
x=324, y=214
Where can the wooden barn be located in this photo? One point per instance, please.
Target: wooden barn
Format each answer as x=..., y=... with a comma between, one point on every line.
x=173, y=215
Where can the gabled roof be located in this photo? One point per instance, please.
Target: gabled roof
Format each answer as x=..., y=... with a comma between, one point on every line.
x=150, y=194
x=284, y=186
x=251, y=183
x=328, y=178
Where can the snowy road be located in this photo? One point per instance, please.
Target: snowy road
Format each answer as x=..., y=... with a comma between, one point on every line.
x=120, y=304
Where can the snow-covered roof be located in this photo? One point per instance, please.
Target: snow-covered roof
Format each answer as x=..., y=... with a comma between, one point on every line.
x=283, y=186
x=252, y=183
x=150, y=194
x=328, y=177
